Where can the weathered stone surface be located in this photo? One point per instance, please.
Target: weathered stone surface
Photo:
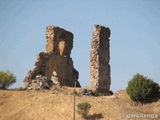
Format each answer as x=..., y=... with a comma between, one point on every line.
x=99, y=59
x=55, y=62
x=59, y=41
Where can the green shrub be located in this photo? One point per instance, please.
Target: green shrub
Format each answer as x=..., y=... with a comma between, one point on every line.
x=6, y=79
x=142, y=89
x=95, y=93
x=83, y=109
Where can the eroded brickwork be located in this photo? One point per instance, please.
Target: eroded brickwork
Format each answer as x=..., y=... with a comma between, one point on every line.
x=55, y=62
x=99, y=59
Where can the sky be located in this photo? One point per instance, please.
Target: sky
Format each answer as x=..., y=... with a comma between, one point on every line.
x=134, y=40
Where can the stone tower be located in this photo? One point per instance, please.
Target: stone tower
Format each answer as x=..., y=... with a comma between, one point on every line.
x=99, y=59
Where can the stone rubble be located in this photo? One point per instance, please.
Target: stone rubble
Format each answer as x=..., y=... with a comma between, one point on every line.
x=91, y=92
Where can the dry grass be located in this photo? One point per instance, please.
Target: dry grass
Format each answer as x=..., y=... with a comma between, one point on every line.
x=58, y=105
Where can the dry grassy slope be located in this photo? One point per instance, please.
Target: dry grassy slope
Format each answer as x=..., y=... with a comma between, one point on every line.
x=53, y=105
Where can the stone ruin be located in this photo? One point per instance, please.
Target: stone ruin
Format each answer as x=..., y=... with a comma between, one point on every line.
x=99, y=59
x=55, y=62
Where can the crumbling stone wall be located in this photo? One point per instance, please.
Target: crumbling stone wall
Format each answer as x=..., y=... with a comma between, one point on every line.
x=59, y=41
x=55, y=62
x=99, y=59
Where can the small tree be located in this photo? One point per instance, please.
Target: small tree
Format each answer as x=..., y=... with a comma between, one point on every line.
x=83, y=109
x=142, y=89
x=6, y=79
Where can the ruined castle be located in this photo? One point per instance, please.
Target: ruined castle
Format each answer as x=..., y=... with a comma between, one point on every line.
x=56, y=62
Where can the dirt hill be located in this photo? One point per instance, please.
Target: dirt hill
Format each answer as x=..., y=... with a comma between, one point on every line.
x=58, y=105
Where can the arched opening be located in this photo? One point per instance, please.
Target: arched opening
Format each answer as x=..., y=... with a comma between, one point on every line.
x=61, y=47
x=55, y=77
